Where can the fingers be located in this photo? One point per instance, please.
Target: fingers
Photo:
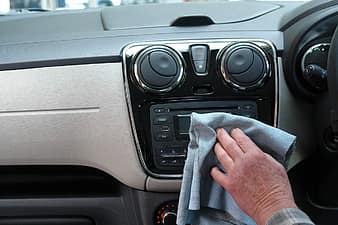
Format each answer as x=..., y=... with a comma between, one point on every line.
x=223, y=157
x=229, y=144
x=219, y=177
x=243, y=141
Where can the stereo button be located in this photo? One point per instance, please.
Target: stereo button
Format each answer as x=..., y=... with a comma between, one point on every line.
x=247, y=107
x=163, y=136
x=200, y=66
x=163, y=119
x=199, y=52
x=160, y=150
x=165, y=128
x=172, y=151
x=163, y=162
x=173, y=161
x=176, y=151
x=159, y=110
x=199, y=55
x=161, y=128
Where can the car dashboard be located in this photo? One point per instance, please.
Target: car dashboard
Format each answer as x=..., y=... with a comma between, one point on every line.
x=95, y=104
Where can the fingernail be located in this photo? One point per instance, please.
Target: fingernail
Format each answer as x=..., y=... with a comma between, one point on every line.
x=232, y=129
x=211, y=168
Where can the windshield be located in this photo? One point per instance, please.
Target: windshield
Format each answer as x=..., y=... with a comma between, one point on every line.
x=7, y=6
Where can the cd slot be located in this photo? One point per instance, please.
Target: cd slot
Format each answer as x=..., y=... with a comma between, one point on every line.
x=207, y=109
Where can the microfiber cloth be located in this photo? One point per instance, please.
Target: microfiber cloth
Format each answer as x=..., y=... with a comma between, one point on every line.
x=204, y=202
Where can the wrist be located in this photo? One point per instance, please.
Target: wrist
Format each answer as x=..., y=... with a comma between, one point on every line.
x=267, y=212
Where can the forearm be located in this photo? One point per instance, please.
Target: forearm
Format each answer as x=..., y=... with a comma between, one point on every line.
x=290, y=216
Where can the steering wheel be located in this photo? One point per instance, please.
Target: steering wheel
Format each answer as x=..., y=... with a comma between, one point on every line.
x=332, y=78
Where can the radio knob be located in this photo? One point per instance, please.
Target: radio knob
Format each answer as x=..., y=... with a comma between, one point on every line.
x=158, y=69
x=169, y=218
x=244, y=66
x=166, y=213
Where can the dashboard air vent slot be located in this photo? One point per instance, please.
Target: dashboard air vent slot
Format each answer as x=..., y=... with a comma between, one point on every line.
x=190, y=21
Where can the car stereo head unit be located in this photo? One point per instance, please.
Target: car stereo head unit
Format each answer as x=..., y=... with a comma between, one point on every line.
x=170, y=125
x=167, y=80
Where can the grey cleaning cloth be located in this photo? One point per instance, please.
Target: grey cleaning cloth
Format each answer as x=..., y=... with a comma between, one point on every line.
x=202, y=201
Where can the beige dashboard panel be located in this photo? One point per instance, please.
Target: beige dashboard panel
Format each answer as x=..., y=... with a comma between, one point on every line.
x=68, y=115
x=163, y=185
x=294, y=117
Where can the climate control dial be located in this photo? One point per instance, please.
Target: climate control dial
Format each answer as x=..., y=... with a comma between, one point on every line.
x=166, y=213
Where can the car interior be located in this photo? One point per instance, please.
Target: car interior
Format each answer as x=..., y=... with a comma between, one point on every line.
x=95, y=103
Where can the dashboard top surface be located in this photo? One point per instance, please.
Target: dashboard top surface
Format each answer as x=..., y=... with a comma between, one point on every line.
x=104, y=32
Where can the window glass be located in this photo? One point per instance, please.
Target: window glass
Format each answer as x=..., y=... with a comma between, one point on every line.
x=7, y=6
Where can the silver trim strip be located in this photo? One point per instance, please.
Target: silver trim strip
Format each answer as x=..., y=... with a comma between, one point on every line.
x=275, y=61
x=37, y=112
x=183, y=45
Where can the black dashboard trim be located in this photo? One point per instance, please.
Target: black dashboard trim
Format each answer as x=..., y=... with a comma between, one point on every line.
x=309, y=10
x=279, y=53
x=61, y=62
x=299, y=36
x=213, y=44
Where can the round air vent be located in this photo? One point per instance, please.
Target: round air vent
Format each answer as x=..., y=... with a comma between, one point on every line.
x=243, y=65
x=158, y=69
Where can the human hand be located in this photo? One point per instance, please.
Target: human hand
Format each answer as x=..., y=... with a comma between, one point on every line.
x=256, y=181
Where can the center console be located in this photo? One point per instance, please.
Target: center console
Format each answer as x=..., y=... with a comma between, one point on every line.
x=166, y=81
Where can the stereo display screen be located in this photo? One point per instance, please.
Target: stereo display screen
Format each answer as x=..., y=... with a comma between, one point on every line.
x=182, y=125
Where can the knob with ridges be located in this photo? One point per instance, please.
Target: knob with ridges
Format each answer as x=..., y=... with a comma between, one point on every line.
x=169, y=218
x=166, y=213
